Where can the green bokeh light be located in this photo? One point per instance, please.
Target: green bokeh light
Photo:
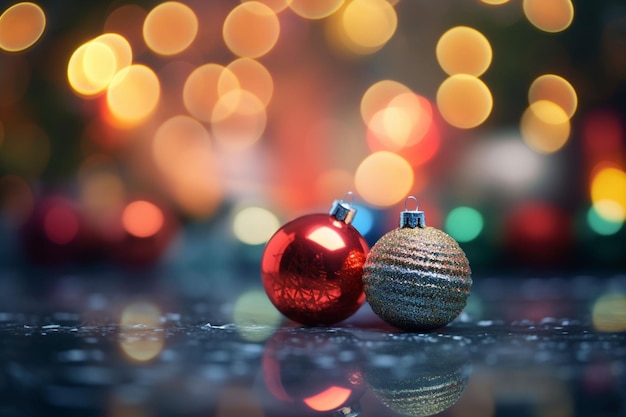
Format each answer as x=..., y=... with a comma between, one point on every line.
x=464, y=223
x=601, y=225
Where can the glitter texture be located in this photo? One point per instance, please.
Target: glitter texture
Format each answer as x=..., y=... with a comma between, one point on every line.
x=417, y=278
x=426, y=378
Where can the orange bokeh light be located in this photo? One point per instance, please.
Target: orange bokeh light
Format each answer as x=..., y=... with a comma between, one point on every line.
x=204, y=87
x=545, y=127
x=556, y=89
x=21, y=25
x=253, y=77
x=463, y=50
x=464, y=101
x=315, y=9
x=378, y=96
x=549, y=16
x=91, y=68
x=403, y=122
x=183, y=153
x=133, y=94
x=142, y=219
x=251, y=29
x=170, y=28
x=363, y=27
x=416, y=153
x=384, y=178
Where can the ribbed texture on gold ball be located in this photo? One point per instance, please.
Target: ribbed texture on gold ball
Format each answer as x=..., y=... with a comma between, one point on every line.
x=425, y=395
x=417, y=278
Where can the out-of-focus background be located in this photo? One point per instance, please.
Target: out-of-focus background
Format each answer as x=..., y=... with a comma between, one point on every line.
x=142, y=133
x=149, y=149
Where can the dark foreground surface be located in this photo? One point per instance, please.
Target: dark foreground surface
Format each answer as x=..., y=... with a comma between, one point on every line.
x=531, y=347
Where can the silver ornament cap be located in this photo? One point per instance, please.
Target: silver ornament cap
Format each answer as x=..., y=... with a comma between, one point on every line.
x=342, y=209
x=412, y=218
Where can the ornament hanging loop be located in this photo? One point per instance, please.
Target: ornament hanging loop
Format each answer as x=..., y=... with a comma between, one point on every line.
x=412, y=218
x=406, y=203
x=342, y=209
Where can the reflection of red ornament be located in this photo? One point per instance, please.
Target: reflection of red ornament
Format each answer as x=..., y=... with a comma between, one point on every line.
x=314, y=370
x=312, y=267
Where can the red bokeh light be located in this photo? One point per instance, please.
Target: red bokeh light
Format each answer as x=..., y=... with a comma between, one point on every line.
x=538, y=233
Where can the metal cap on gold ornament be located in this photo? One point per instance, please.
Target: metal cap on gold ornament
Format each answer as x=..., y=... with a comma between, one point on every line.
x=412, y=218
x=342, y=210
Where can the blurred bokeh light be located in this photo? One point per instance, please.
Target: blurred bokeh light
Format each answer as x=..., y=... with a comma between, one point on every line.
x=255, y=225
x=170, y=28
x=141, y=336
x=505, y=119
x=463, y=50
x=133, y=94
x=464, y=223
x=464, y=101
x=550, y=16
x=384, y=178
x=545, y=126
x=609, y=313
x=21, y=25
x=251, y=29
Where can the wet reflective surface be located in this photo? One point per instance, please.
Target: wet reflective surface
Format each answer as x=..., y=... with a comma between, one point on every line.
x=532, y=347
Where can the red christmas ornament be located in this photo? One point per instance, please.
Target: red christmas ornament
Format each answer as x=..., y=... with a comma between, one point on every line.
x=312, y=267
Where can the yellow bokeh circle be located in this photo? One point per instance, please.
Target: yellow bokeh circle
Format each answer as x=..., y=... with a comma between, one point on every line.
x=369, y=23
x=255, y=225
x=133, y=94
x=549, y=15
x=545, y=127
x=464, y=101
x=463, y=50
x=608, y=193
x=384, y=178
x=556, y=89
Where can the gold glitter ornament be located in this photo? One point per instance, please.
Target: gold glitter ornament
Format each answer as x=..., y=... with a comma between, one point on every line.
x=417, y=278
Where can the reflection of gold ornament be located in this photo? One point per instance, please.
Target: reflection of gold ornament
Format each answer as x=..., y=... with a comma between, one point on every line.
x=425, y=376
x=417, y=277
